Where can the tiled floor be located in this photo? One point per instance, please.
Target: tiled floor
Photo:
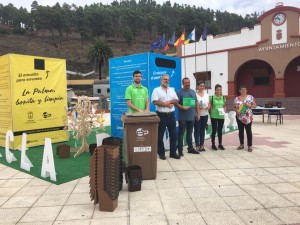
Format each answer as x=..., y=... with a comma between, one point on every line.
x=214, y=188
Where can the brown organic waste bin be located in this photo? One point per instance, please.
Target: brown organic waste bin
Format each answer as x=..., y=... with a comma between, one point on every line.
x=140, y=137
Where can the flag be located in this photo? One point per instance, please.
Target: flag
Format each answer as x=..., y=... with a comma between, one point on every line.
x=180, y=40
x=192, y=36
x=204, y=34
x=172, y=40
x=187, y=41
x=167, y=47
x=158, y=44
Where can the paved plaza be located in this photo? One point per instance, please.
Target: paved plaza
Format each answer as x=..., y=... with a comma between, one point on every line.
x=228, y=187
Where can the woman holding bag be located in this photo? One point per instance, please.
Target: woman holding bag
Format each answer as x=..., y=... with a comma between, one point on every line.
x=243, y=105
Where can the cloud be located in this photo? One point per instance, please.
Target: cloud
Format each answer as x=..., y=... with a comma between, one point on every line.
x=240, y=7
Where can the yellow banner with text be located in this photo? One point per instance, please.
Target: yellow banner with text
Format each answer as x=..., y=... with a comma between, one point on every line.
x=37, y=99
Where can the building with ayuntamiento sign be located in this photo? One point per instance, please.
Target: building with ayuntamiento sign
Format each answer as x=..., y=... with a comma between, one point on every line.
x=266, y=58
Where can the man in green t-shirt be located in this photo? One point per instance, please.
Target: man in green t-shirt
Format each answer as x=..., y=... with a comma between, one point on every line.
x=136, y=94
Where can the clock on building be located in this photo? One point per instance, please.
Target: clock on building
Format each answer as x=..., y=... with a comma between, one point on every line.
x=279, y=19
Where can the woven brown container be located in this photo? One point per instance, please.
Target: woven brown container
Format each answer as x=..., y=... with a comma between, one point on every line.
x=115, y=141
x=104, y=177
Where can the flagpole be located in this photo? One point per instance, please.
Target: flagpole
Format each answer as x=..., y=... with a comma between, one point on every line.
x=195, y=58
x=206, y=57
x=195, y=52
x=184, y=53
x=184, y=60
x=206, y=64
x=206, y=53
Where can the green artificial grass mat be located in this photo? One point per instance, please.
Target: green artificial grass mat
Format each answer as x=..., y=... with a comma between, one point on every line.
x=66, y=169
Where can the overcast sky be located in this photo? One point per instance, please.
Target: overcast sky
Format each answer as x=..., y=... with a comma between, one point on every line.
x=241, y=7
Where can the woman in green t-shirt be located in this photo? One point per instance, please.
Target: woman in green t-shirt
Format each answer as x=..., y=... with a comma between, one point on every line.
x=217, y=112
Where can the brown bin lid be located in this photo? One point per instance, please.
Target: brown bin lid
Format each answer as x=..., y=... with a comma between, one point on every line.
x=140, y=117
x=140, y=114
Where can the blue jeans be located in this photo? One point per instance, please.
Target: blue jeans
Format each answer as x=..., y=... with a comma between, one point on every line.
x=199, y=130
x=188, y=126
x=166, y=121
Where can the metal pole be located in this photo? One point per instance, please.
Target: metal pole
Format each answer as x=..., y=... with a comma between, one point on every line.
x=206, y=62
x=195, y=58
x=184, y=60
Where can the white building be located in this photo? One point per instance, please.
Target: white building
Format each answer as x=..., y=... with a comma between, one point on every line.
x=266, y=59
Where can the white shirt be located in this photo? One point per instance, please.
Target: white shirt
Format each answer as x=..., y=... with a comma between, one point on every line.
x=161, y=94
x=203, y=102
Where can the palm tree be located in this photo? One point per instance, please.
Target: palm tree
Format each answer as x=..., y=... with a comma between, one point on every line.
x=99, y=53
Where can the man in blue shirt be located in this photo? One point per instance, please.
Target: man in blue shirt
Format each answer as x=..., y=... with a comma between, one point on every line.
x=187, y=113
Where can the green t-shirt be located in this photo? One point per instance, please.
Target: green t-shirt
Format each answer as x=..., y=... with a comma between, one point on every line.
x=217, y=104
x=137, y=95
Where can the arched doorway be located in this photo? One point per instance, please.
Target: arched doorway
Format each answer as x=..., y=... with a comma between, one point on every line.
x=292, y=78
x=258, y=76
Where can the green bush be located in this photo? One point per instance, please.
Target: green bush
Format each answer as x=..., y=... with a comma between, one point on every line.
x=4, y=31
x=19, y=30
